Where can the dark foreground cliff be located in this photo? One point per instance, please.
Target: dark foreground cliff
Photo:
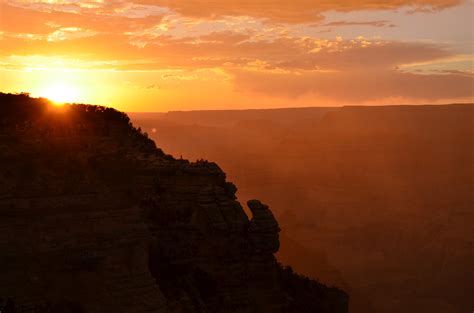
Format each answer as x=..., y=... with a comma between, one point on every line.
x=95, y=218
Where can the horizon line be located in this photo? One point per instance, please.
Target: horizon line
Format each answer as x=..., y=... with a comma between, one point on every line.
x=305, y=107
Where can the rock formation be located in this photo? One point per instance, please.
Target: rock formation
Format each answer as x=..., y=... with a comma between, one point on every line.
x=263, y=228
x=94, y=218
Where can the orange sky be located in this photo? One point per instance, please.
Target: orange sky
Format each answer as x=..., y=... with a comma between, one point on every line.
x=160, y=55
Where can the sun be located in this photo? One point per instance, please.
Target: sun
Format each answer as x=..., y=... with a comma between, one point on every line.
x=61, y=93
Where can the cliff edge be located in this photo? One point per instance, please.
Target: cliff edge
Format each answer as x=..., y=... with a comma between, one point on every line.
x=95, y=218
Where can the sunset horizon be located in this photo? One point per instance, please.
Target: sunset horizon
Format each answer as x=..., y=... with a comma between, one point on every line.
x=236, y=156
x=158, y=56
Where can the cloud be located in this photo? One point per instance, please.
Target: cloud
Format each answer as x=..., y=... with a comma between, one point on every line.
x=354, y=23
x=230, y=49
x=357, y=86
x=34, y=20
x=273, y=59
x=290, y=11
x=356, y=72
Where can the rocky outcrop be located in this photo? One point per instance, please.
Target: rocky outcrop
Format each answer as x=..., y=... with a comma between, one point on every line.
x=204, y=244
x=263, y=228
x=95, y=218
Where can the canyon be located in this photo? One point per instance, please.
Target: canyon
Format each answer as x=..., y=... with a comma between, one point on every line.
x=378, y=201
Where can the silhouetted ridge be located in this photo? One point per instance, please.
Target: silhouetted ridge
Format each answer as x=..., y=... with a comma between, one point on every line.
x=94, y=218
x=20, y=113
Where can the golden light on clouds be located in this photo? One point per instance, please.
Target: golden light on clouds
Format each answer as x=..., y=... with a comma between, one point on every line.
x=153, y=55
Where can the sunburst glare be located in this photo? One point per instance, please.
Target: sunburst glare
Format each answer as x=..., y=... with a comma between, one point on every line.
x=61, y=92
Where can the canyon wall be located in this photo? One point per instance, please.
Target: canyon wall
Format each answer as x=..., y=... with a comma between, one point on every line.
x=95, y=218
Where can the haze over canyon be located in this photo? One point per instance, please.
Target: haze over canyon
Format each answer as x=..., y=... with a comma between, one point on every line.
x=378, y=201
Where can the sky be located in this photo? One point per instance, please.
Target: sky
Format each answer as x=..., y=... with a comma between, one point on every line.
x=162, y=55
